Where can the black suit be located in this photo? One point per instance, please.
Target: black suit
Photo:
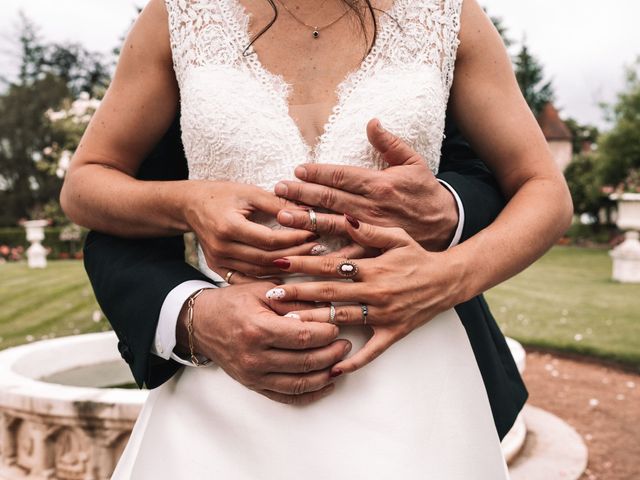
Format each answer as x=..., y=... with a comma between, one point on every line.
x=131, y=278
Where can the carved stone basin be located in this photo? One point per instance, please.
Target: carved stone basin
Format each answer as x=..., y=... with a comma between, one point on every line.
x=60, y=418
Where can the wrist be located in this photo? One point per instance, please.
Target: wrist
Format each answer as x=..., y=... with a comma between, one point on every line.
x=189, y=326
x=440, y=232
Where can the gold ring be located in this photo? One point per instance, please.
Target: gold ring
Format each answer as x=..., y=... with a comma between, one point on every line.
x=332, y=314
x=314, y=220
x=228, y=276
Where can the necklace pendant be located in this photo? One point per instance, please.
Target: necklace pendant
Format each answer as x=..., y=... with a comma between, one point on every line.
x=315, y=34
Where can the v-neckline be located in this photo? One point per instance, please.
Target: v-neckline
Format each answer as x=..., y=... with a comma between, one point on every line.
x=239, y=19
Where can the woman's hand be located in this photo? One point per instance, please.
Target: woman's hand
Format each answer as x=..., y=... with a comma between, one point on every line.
x=218, y=213
x=402, y=289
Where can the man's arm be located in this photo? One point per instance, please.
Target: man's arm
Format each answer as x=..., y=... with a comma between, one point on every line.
x=132, y=278
x=462, y=170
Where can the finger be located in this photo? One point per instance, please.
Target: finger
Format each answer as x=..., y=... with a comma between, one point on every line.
x=319, y=196
x=394, y=150
x=304, y=399
x=250, y=270
x=377, y=344
x=326, y=223
x=265, y=238
x=292, y=334
x=322, y=266
x=283, y=308
x=342, y=177
x=384, y=238
x=297, y=384
x=306, y=361
x=344, y=315
x=269, y=203
x=256, y=256
x=322, y=292
x=232, y=277
x=353, y=250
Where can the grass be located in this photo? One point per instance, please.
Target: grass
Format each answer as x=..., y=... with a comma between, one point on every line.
x=566, y=301
x=49, y=303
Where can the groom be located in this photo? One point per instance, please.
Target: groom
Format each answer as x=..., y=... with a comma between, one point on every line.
x=143, y=285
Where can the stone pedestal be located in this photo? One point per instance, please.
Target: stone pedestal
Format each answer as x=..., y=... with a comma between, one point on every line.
x=36, y=253
x=626, y=256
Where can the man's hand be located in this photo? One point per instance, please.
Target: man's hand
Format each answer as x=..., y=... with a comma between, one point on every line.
x=218, y=213
x=283, y=358
x=405, y=195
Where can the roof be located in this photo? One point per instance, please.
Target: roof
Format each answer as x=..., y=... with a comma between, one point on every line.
x=552, y=125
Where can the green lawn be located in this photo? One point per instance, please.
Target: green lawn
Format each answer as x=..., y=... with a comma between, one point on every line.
x=37, y=304
x=565, y=301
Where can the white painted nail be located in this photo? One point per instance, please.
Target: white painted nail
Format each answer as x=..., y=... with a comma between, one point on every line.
x=276, y=294
x=319, y=250
x=295, y=316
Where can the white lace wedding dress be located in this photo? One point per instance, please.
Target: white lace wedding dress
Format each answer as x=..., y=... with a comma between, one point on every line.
x=420, y=411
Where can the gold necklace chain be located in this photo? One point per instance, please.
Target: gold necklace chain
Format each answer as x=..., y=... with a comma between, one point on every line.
x=315, y=29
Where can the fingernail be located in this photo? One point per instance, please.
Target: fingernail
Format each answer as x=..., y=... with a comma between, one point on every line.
x=286, y=218
x=281, y=189
x=348, y=348
x=282, y=263
x=319, y=250
x=301, y=173
x=380, y=127
x=336, y=373
x=354, y=223
x=276, y=294
x=295, y=316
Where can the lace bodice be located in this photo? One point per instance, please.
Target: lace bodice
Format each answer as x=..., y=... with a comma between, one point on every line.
x=236, y=122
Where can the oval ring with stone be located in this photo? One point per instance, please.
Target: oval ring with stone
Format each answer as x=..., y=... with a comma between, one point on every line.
x=347, y=269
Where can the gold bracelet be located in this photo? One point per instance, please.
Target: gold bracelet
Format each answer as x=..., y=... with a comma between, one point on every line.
x=190, y=304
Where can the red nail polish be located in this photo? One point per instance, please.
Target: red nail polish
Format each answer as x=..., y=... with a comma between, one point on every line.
x=336, y=373
x=282, y=263
x=354, y=223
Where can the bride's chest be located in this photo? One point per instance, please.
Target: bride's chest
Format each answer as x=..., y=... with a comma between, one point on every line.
x=238, y=126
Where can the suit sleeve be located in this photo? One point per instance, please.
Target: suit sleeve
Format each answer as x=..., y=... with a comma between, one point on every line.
x=478, y=190
x=131, y=278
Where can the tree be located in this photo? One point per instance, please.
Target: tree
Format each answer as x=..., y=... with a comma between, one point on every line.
x=619, y=148
x=584, y=136
x=48, y=74
x=584, y=184
x=530, y=75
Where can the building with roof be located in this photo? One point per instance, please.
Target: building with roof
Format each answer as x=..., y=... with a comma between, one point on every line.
x=557, y=134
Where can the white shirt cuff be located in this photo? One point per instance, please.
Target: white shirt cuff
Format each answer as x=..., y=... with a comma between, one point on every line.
x=458, y=233
x=165, y=340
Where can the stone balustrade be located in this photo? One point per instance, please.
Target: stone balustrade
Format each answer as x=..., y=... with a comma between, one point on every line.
x=59, y=420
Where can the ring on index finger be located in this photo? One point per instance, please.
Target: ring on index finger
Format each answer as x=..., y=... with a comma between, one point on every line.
x=313, y=218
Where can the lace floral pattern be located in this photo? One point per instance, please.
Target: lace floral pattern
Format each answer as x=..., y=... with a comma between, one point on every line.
x=235, y=116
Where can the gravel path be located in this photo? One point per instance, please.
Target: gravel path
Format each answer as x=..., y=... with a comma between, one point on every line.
x=601, y=402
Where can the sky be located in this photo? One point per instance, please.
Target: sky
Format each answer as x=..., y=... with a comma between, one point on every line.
x=583, y=44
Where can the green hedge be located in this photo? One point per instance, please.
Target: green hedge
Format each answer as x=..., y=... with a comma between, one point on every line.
x=16, y=237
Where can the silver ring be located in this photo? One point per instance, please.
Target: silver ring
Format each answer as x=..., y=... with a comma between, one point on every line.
x=332, y=314
x=228, y=276
x=314, y=220
x=347, y=269
x=365, y=313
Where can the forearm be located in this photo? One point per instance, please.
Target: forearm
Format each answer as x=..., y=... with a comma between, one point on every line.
x=109, y=201
x=535, y=217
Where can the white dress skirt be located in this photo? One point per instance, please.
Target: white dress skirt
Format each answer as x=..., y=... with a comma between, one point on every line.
x=419, y=411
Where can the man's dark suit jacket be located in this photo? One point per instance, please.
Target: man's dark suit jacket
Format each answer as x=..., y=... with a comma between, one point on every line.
x=131, y=278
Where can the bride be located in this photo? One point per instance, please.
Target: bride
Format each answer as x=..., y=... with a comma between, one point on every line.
x=263, y=87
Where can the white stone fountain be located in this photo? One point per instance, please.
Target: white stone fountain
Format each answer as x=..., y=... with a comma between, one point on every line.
x=36, y=253
x=626, y=256
x=61, y=418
